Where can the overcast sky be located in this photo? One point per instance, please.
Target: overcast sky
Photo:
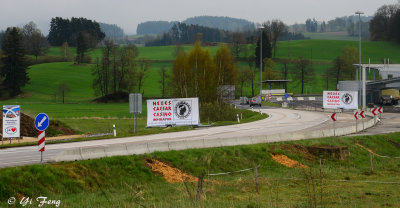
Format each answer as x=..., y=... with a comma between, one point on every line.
x=129, y=13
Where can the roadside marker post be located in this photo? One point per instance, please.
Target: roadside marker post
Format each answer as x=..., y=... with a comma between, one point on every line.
x=42, y=121
x=380, y=110
x=334, y=118
x=356, y=116
x=362, y=118
x=41, y=143
x=374, y=113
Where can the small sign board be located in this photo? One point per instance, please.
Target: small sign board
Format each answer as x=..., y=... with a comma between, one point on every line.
x=11, y=121
x=42, y=121
x=135, y=103
x=340, y=99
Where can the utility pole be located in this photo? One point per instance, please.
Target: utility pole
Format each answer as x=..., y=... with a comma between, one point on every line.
x=261, y=30
x=361, y=69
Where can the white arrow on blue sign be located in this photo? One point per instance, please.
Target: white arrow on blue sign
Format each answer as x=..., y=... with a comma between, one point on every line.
x=42, y=121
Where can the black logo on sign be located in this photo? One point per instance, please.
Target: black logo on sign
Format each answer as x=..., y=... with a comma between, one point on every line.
x=182, y=109
x=347, y=98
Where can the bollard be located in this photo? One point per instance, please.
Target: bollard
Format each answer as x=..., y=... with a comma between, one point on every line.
x=237, y=115
x=241, y=116
x=115, y=131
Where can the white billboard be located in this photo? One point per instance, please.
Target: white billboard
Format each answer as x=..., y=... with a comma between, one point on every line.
x=11, y=121
x=176, y=111
x=340, y=99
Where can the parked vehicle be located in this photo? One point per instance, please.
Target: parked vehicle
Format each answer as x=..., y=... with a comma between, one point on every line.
x=244, y=100
x=255, y=101
x=389, y=96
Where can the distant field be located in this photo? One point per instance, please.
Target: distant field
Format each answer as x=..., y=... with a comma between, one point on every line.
x=330, y=36
x=157, y=53
x=327, y=50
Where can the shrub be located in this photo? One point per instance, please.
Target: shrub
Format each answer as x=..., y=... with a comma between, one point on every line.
x=217, y=112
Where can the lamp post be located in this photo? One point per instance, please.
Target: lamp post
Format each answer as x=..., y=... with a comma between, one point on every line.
x=361, y=69
x=261, y=30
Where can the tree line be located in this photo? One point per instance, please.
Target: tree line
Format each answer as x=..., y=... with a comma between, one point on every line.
x=385, y=25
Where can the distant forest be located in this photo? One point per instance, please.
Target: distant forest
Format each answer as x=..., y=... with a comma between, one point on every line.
x=112, y=31
x=222, y=23
x=347, y=24
x=182, y=33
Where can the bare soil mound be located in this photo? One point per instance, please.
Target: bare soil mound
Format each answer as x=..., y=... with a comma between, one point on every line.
x=171, y=174
x=284, y=160
x=28, y=127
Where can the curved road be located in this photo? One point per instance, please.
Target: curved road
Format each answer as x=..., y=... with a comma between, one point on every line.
x=279, y=121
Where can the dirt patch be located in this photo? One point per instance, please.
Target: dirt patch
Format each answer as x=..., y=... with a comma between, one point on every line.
x=28, y=127
x=284, y=160
x=299, y=150
x=369, y=150
x=171, y=174
x=329, y=151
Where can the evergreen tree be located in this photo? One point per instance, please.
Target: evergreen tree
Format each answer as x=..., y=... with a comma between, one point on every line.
x=14, y=64
x=266, y=49
x=81, y=47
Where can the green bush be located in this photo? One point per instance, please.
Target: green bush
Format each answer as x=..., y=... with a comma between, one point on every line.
x=46, y=59
x=217, y=112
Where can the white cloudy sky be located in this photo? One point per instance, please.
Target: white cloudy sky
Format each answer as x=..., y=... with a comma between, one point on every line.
x=128, y=13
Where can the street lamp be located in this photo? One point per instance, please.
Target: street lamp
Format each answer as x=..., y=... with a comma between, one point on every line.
x=261, y=30
x=361, y=71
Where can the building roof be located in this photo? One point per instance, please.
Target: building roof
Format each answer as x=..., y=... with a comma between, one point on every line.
x=385, y=67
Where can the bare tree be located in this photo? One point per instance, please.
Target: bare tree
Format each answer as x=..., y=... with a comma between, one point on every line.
x=35, y=43
x=163, y=81
x=63, y=89
x=275, y=30
x=237, y=44
x=144, y=65
x=303, y=71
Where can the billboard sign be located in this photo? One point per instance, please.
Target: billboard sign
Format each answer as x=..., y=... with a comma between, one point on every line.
x=176, y=111
x=11, y=121
x=340, y=99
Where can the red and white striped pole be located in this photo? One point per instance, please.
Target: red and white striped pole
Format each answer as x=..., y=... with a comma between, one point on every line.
x=41, y=143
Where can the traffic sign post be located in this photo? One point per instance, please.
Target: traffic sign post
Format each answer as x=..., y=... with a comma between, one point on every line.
x=362, y=118
x=374, y=113
x=41, y=143
x=380, y=111
x=135, y=107
x=333, y=117
x=356, y=116
x=42, y=121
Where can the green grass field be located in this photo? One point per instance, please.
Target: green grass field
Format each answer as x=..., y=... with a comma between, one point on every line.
x=44, y=79
x=126, y=181
x=330, y=36
x=327, y=50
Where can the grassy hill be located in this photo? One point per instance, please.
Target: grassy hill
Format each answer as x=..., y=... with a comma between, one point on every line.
x=45, y=78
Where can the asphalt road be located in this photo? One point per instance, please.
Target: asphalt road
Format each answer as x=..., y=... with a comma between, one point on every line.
x=280, y=120
x=389, y=122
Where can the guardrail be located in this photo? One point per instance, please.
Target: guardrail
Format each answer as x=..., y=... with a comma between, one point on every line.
x=131, y=148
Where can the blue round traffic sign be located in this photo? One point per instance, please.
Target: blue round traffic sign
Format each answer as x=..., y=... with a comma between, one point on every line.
x=42, y=121
x=287, y=96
